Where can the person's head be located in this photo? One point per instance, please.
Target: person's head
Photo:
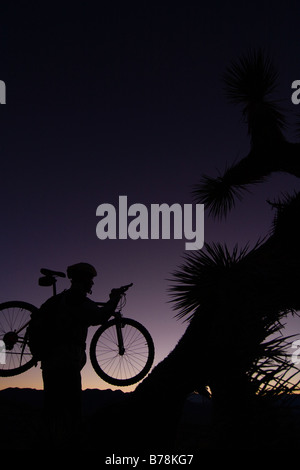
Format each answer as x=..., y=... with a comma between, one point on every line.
x=81, y=276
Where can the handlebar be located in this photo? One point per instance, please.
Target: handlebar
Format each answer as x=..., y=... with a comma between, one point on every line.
x=121, y=290
x=125, y=288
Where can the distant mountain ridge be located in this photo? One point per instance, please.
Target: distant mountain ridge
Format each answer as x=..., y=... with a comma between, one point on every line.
x=92, y=399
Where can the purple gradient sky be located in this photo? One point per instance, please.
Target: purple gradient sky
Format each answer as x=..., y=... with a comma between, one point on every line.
x=124, y=100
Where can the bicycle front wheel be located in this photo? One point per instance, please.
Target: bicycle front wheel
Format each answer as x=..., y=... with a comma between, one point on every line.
x=135, y=361
x=15, y=355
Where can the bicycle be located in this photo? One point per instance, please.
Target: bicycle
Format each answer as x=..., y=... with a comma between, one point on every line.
x=121, y=350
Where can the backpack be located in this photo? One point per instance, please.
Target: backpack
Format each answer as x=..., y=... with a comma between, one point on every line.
x=34, y=335
x=39, y=333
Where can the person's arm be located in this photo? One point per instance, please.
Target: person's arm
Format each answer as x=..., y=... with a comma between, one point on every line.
x=99, y=315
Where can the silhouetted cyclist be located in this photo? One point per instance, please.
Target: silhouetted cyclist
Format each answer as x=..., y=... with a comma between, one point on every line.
x=69, y=315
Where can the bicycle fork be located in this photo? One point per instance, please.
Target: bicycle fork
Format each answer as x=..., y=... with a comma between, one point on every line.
x=119, y=327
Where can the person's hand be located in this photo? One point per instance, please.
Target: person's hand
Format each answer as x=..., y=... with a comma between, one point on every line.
x=115, y=294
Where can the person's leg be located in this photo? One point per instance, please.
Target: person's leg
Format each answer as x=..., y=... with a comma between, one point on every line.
x=62, y=404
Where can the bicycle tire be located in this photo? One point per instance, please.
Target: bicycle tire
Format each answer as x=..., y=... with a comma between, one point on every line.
x=13, y=316
x=124, y=369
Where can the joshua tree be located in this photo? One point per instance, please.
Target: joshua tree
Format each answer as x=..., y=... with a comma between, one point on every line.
x=273, y=266
x=235, y=302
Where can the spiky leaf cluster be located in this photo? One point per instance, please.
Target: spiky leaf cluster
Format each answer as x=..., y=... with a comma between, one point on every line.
x=250, y=79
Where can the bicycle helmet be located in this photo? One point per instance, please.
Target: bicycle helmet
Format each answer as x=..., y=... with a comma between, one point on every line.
x=81, y=270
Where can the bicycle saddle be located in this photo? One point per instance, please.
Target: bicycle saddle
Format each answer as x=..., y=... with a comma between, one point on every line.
x=49, y=272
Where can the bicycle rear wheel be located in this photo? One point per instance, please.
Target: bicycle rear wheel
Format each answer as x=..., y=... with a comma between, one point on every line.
x=15, y=355
x=129, y=367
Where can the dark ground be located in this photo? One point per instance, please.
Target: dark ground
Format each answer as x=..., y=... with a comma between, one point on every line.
x=20, y=417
